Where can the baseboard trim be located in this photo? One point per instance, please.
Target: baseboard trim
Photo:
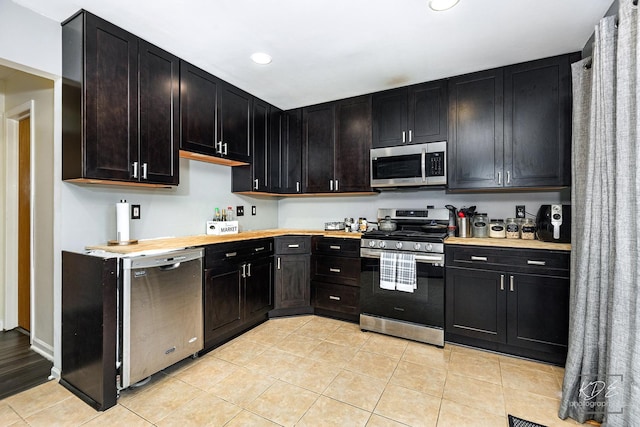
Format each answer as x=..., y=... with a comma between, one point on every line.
x=55, y=374
x=42, y=348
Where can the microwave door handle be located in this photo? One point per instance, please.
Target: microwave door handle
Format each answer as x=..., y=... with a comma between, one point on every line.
x=423, y=164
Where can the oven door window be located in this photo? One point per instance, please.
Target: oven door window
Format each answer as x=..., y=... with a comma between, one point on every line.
x=425, y=306
x=397, y=167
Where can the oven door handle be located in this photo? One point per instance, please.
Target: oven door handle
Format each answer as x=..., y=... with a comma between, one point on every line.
x=431, y=259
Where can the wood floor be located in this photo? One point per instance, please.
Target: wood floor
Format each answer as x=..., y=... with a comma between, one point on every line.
x=20, y=367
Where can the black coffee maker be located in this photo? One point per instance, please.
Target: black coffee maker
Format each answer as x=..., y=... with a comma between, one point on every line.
x=553, y=223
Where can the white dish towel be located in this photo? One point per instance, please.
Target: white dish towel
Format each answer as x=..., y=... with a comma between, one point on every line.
x=398, y=271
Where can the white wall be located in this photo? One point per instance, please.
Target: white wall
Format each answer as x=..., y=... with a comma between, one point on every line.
x=89, y=218
x=314, y=212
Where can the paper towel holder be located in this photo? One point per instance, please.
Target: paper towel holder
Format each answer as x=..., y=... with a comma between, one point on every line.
x=122, y=209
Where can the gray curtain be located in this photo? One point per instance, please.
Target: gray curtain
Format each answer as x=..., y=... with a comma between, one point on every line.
x=602, y=373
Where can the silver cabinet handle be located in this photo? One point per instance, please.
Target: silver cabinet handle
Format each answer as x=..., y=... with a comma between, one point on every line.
x=508, y=177
x=219, y=147
x=244, y=270
x=231, y=254
x=337, y=185
x=278, y=263
x=502, y=282
x=499, y=178
x=330, y=185
x=334, y=270
x=410, y=135
x=511, y=283
x=225, y=148
x=144, y=171
x=249, y=270
x=404, y=137
x=255, y=184
x=261, y=248
x=294, y=246
x=335, y=298
x=297, y=186
x=533, y=262
x=335, y=247
x=478, y=258
x=135, y=169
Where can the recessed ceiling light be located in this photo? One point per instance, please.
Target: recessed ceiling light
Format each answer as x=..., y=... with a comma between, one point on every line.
x=261, y=58
x=439, y=5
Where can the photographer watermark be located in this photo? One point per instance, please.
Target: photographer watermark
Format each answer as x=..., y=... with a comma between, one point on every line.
x=595, y=394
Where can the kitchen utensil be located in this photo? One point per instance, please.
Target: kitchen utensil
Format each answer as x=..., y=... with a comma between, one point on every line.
x=387, y=224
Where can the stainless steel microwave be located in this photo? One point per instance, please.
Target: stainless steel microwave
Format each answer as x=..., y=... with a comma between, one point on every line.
x=409, y=165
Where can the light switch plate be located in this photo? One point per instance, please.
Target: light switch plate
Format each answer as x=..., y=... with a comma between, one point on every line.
x=520, y=212
x=239, y=210
x=135, y=211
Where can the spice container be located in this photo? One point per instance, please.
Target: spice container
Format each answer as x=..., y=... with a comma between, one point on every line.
x=528, y=229
x=512, y=228
x=480, y=227
x=497, y=229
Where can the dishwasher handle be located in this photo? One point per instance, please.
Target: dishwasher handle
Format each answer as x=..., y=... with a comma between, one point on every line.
x=170, y=266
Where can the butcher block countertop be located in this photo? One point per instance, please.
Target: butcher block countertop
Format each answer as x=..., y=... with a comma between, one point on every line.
x=508, y=243
x=172, y=243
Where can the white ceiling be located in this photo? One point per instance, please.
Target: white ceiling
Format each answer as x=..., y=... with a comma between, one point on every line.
x=330, y=49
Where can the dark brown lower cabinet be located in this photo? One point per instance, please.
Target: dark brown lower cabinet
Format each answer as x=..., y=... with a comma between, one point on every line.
x=292, y=294
x=508, y=301
x=238, y=288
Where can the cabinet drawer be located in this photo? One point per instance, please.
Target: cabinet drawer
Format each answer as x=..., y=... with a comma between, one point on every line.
x=329, y=296
x=293, y=245
x=336, y=246
x=333, y=269
x=237, y=252
x=532, y=261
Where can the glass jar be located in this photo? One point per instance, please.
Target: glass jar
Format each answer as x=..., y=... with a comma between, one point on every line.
x=512, y=228
x=528, y=229
x=497, y=229
x=480, y=226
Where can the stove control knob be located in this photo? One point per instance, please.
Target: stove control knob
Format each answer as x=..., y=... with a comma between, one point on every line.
x=429, y=247
x=398, y=245
x=417, y=246
x=372, y=243
x=382, y=244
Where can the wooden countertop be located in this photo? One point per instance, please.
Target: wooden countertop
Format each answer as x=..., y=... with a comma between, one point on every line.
x=508, y=243
x=174, y=243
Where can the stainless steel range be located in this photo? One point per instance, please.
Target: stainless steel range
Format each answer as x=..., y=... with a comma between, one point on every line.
x=402, y=275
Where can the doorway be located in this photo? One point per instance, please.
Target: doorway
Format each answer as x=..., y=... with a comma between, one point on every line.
x=24, y=223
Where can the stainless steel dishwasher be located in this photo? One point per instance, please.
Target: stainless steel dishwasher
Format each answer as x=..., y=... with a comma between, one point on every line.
x=161, y=312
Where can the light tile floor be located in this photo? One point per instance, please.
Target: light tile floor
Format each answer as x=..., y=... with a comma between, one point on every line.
x=315, y=371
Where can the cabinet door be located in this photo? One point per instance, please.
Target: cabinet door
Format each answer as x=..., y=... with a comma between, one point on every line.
x=538, y=312
x=291, y=159
x=537, y=144
x=260, y=140
x=390, y=118
x=476, y=304
x=427, y=115
x=222, y=302
x=198, y=94
x=292, y=281
x=159, y=126
x=319, y=141
x=111, y=101
x=476, y=131
x=234, y=107
x=353, y=143
x=258, y=287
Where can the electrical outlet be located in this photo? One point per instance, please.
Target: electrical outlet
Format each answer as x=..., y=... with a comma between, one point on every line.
x=135, y=211
x=239, y=210
x=253, y=210
x=520, y=213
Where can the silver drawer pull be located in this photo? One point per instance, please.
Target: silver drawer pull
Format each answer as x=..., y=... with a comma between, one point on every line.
x=294, y=246
x=231, y=254
x=478, y=258
x=533, y=262
x=334, y=270
x=336, y=247
x=334, y=298
x=261, y=248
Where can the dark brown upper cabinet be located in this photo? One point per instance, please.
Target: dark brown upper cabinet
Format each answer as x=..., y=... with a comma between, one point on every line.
x=256, y=176
x=285, y=151
x=410, y=115
x=215, y=116
x=510, y=127
x=120, y=101
x=336, y=144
